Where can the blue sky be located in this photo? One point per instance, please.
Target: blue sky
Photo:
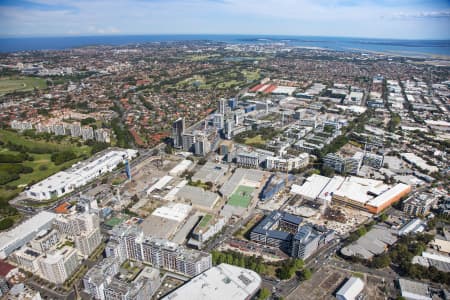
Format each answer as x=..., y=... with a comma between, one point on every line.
x=407, y=19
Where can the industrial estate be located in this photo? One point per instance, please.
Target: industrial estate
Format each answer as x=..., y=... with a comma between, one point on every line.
x=210, y=170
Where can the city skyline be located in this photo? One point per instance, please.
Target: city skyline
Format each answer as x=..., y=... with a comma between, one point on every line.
x=375, y=19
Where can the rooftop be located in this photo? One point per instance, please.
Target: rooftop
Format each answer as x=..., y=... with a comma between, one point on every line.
x=221, y=282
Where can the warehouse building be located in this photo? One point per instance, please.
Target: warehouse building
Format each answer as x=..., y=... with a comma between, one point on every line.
x=198, y=197
x=24, y=232
x=222, y=282
x=165, y=220
x=351, y=289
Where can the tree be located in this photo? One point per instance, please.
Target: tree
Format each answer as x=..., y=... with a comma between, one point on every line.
x=264, y=293
x=305, y=274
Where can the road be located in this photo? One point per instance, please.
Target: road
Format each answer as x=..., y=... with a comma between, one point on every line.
x=143, y=155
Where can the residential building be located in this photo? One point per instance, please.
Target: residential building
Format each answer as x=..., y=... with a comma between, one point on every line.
x=419, y=205
x=87, y=241
x=45, y=240
x=247, y=159
x=287, y=164
x=57, y=266
x=178, y=128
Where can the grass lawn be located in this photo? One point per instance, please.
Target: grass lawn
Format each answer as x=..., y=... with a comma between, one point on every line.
x=227, y=84
x=42, y=165
x=204, y=221
x=17, y=138
x=21, y=84
x=255, y=140
x=251, y=75
x=242, y=196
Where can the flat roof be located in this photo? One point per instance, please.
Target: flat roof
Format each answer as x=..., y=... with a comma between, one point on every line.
x=26, y=230
x=198, y=196
x=414, y=289
x=312, y=187
x=159, y=227
x=380, y=200
x=222, y=282
x=177, y=211
x=211, y=172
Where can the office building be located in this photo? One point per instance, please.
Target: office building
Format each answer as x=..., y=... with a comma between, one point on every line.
x=275, y=184
x=178, y=128
x=373, y=160
x=276, y=230
x=58, y=265
x=222, y=282
x=307, y=240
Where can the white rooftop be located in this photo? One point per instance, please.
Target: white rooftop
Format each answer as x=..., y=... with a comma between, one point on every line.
x=351, y=289
x=177, y=212
x=222, y=282
x=389, y=194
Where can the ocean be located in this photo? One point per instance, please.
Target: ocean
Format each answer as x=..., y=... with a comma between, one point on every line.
x=394, y=46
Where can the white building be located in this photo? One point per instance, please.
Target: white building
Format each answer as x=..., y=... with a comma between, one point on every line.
x=351, y=289
x=287, y=164
x=222, y=282
x=80, y=174
x=25, y=232
x=57, y=266
x=88, y=241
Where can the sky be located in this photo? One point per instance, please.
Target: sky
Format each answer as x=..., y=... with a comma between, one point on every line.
x=403, y=19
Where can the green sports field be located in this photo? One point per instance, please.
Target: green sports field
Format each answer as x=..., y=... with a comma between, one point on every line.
x=242, y=196
x=21, y=84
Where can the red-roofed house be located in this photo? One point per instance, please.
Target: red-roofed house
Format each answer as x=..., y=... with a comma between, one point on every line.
x=7, y=271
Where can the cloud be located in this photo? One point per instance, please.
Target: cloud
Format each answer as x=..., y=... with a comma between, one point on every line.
x=422, y=15
x=369, y=18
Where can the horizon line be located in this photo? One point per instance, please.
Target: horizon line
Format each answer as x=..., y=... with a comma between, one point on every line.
x=214, y=34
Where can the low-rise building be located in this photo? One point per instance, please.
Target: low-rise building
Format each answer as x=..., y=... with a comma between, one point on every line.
x=418, y=205
x=351, y=289
x=222, y=282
